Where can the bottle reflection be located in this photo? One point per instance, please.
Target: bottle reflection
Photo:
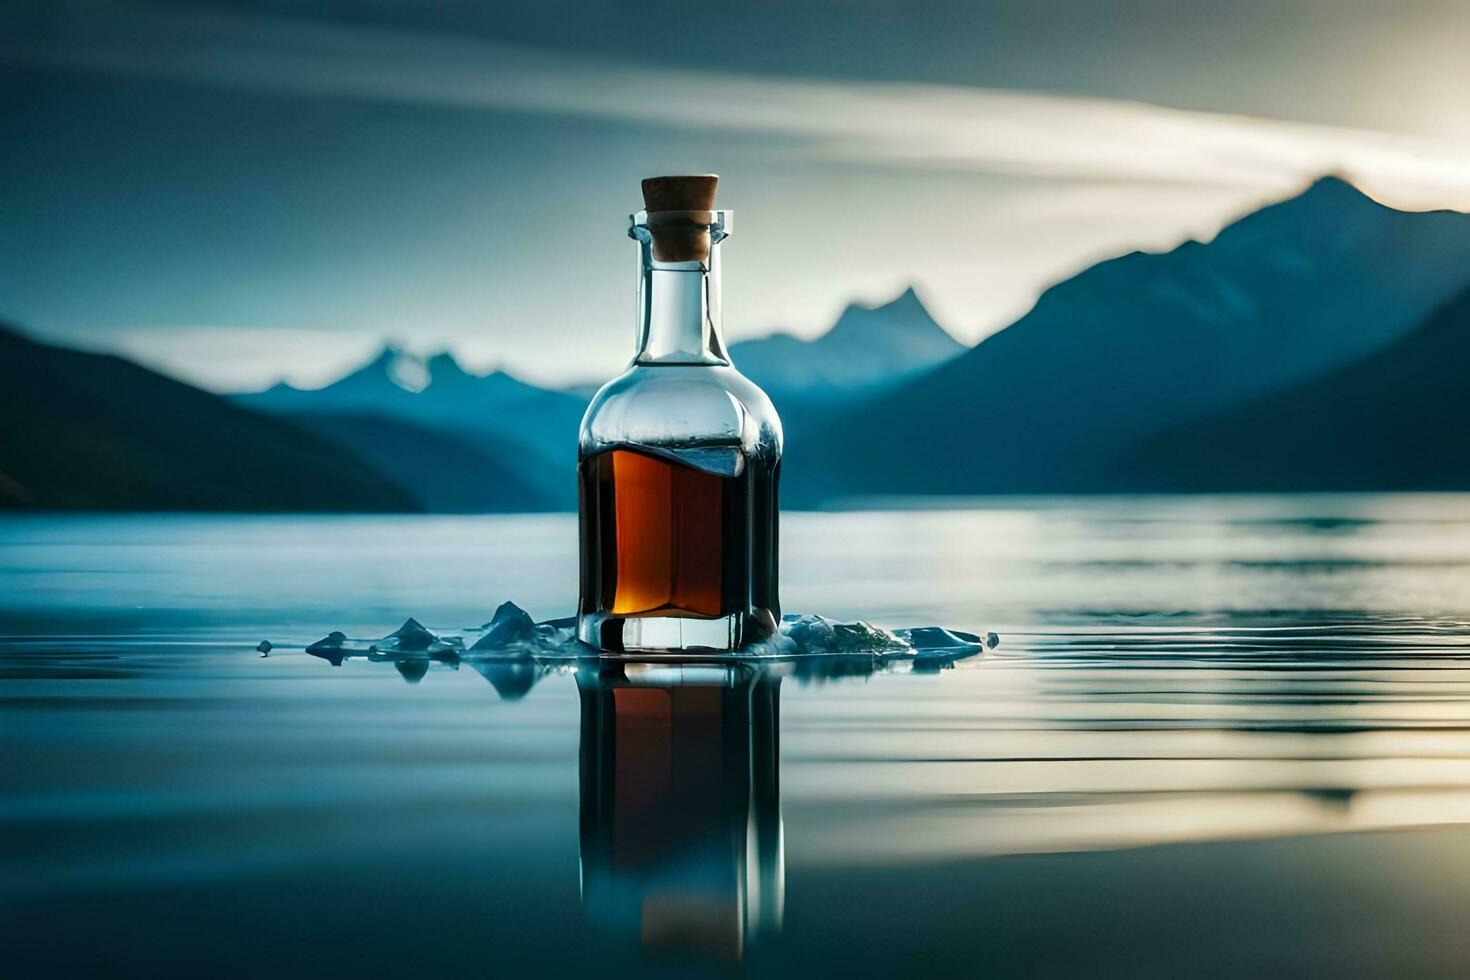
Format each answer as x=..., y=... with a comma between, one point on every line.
x=681, y=836
x=681, y=813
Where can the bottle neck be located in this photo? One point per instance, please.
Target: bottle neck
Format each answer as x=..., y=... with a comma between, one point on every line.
x=679, y=305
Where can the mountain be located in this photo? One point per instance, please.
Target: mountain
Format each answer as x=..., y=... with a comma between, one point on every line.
x=385, y=384
x=1145, y=342
x=1398, y=420
x=507, y=421
x=867, y=349
x=83, y=431
x=436, y=391
x=443, y=471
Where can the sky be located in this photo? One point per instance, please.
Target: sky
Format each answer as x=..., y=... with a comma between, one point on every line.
x=242, y=192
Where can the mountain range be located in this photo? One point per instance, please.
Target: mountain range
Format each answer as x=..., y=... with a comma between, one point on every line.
x=382, y=408
x=84, y=431
x=1314, y=344
x=868, y=349
x=1145, y=343
x=439, y=393
x=495, y=418
x=1396, y=420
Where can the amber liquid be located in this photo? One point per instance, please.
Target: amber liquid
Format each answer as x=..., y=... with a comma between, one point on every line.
x=661, y=538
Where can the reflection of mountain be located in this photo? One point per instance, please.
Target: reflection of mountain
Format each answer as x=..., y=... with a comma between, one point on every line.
x=91, y=431
x=1285, y=295
x=1394, y=421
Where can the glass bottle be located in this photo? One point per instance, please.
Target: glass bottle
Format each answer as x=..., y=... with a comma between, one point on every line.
x=679, y=457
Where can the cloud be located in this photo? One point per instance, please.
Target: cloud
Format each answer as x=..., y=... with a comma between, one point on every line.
x=896, y=125
x=1114, y=176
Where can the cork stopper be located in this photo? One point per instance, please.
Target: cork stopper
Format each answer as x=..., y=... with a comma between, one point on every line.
x=679, y=214
x=692, y=192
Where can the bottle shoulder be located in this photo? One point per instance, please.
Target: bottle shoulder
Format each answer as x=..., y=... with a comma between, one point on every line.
x=681, y=406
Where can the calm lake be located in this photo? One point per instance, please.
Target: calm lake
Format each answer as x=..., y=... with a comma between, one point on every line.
x=1220, y=736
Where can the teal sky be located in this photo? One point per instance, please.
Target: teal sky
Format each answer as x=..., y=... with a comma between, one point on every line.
x=239, y=192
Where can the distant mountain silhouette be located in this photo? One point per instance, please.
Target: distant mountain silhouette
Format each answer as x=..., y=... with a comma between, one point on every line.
x=385, y=384
x=444, y=471
x=1316, y=344
x=503, y=418
x=436, y=391
x=867, y=349
x=508, y=421
x=1398, y=420
x=96, y=432
x=1145, y=342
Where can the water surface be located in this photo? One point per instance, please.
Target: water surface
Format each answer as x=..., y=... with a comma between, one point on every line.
x=1219, y=736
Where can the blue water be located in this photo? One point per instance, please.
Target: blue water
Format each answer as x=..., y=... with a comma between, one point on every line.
x=1220, y=736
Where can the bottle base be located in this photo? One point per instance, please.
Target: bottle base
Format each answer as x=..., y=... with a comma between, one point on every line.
x=674, y=635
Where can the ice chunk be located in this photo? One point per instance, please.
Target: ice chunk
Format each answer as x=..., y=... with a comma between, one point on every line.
x=332, y=641
x=818, y=634
x=510, y=626
x=923, y=638
x=561, y=635
x=411, y=637
x=773, y=647
x=330, y=647
x=514, y=652
x=512, y=633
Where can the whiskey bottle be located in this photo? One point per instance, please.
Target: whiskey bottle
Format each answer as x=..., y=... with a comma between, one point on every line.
x=679, y=457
